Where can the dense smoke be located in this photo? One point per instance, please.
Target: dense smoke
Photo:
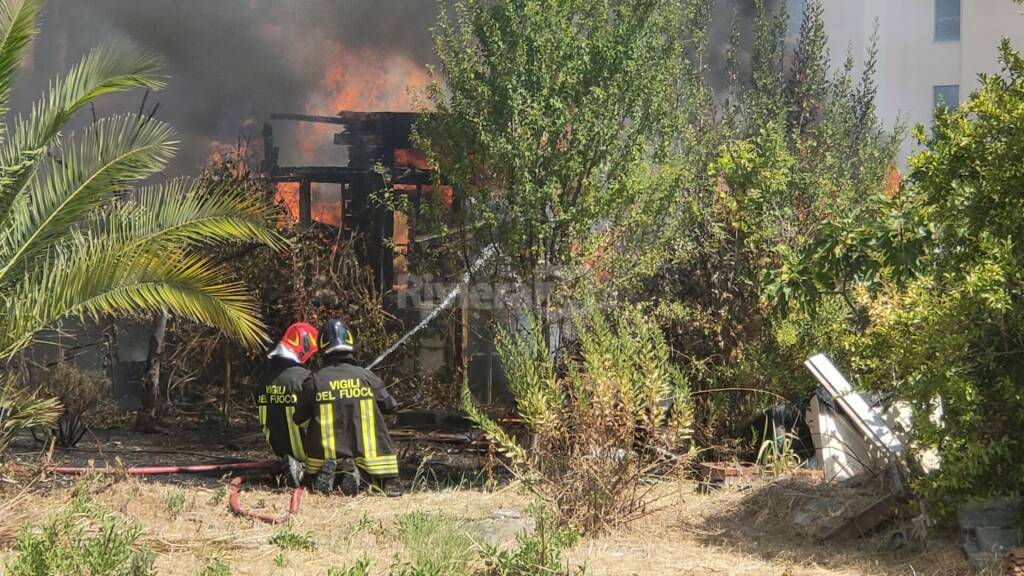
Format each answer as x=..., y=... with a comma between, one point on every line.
x=233, y=62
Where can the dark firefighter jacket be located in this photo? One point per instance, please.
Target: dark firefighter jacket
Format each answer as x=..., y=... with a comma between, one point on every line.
x=277, y=394
x=344, y=404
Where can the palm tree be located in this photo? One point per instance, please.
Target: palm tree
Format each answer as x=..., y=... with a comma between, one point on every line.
x=78, y=236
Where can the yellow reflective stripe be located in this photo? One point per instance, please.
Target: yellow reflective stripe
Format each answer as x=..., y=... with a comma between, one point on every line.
x=313, y=465
x=324, y=441
x=294, y=434
x=380, y=465
x=382, y=469
x=378, y=461
x=371, y=418
x=334, y=443
x=263, y=423
x=327, y=431
x=365, y=428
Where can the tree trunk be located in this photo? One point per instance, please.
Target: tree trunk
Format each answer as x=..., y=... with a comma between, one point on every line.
x=226, y=407
x=147, y=418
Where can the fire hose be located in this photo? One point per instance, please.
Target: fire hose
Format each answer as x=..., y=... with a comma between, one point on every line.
x=293, y=504
x=234, y=487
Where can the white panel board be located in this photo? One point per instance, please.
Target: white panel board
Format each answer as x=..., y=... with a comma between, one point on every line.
x=869, y=422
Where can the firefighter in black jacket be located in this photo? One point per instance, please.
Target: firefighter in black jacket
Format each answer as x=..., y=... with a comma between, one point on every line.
x=277, y=394
x=344, y=404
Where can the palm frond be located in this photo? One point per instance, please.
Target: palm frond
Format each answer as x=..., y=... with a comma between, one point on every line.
x=20, y=410
x=191, y=286
x=18, y=25
x=95, y=276
x=184, y=212
x=91, y=169
x=102, y=71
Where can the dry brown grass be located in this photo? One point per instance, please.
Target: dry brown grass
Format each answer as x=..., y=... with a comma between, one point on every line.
x=726, y=532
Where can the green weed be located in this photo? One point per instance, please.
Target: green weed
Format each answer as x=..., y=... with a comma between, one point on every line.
x=175, y=502
x=84, y=538
x=536, y=552
x=216, y=567
x=289, y=539
x=219, y=496
x=775, y=458
x=437, y=545
x=364, y=523
x=360, y=568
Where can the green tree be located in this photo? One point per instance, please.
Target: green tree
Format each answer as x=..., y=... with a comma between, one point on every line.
x=547, y=114
x=790, y=150
x=77, y=238
x=954, y=332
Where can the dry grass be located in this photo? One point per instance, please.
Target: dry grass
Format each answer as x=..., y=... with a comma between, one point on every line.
x=727, y=532
x=751, y=531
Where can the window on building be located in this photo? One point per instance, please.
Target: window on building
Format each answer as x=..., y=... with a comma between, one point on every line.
x=946, y=96
x=947, y=20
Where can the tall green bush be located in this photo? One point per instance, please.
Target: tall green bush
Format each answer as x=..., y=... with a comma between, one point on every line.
x=546, y=112
x=954, y=332
x=789, y=149
x=596, y=415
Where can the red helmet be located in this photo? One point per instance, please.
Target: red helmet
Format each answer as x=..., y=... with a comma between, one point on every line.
x=298, y=343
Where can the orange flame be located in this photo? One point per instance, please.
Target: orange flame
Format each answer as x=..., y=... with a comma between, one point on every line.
x=324, y=209
x=411, y=158
x=288, y=195
x=327, y=206
x=360, y=80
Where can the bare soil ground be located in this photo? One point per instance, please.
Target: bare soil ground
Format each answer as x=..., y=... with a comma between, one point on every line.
x=728, y=532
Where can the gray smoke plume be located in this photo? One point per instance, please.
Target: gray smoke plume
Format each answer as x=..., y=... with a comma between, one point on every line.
x=232, y=62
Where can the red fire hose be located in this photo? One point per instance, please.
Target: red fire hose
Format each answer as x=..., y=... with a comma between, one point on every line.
x=158, y=470
x=293, y=506
x=234, y=486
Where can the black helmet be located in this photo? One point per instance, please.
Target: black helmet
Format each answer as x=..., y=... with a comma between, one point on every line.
x=336, y=337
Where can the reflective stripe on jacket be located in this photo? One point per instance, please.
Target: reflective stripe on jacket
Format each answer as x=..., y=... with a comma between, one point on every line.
x=277, y=393
x=344, y=405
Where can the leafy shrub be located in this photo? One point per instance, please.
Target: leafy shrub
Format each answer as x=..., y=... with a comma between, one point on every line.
x=437, y=544
x=80, y=392
x=536, y=552
x=598, y=418
x=84, y=538
x=939, y=275
x=289, y=539
x=953, y=346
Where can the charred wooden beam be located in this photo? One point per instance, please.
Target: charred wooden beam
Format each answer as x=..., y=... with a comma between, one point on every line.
x=270, y=152
x=305, y=203
x=345, y=174
x=348, y=117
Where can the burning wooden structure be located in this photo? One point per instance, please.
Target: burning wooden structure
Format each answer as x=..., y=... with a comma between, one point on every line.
x=379, y=155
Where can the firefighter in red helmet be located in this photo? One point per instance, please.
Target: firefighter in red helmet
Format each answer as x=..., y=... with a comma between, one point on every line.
x=343, y=404
x=277, y=394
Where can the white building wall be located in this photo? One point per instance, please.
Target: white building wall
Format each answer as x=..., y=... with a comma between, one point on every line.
x=983, y=24
x=911, y=62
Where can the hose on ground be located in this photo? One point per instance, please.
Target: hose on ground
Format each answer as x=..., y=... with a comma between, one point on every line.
x=234, y=487
x=236, y=507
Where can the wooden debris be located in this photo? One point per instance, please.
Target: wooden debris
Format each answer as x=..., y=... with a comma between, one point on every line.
x=727, y=473
x=865, y=521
